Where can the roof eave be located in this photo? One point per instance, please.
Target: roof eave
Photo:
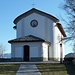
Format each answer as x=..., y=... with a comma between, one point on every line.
x=24, y=41
x=61, y=29
x=37, y=11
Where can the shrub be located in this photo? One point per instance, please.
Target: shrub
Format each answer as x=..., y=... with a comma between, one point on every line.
x=69, y=59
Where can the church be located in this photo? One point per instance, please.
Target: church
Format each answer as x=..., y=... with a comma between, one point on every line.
x=39, y=37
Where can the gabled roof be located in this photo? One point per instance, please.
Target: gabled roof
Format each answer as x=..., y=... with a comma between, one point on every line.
x=36, y=11
x=61, y=29
x=29, y=38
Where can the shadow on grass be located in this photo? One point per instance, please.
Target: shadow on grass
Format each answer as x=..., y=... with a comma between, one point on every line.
x=70, y=67
x=57, y=69
x=52, y=69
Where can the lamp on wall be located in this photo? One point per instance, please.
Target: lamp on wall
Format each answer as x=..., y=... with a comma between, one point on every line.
x=61, y=59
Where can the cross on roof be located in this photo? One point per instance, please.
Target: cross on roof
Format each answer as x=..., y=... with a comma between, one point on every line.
x=33, y=4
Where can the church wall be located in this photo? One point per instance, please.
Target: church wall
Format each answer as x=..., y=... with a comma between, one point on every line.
x=56, y=44
x=50, y=39
x=34, y=52
x=46, y=30
x=49, y=30
x=63, y=55
x=43, y=30
x=45, y=51
x=38, y=31
x=28, y=30
x=19, y=29
x=49, y=35
x=17, y=51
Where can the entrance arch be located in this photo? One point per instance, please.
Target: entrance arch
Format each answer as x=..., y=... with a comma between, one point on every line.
x=26, y=53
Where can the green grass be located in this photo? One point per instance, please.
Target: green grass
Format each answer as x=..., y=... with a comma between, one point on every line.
x=57, y=69
x=8, y=69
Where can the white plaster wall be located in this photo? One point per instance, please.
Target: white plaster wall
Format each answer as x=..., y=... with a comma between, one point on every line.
x=17, y=49
x=50, y=30
x=56, y=43
x=51, y=52
x=63, y=55
x=18, y=52
x=34, y=52
x=50, y=38
x=43, y=30
x=19, y=29
x=45, y=51
x=38, y=31
x=12, y=51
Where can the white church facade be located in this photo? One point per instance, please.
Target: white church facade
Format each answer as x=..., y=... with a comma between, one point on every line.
x=39, y=37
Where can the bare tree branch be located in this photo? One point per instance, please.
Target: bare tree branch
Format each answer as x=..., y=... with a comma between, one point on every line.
x=69, y=8
x=2, y=50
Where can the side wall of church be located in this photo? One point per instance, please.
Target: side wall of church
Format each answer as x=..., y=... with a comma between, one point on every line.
x=56, y=44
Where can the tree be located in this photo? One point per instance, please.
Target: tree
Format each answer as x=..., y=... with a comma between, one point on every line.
x=2, y=50
x=69, y=8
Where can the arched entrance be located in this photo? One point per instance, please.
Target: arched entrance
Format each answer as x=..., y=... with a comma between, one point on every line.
x=26, y=53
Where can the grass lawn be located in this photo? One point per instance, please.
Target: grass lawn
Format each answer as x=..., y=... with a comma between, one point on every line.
x=8, y=69
x=57, y=69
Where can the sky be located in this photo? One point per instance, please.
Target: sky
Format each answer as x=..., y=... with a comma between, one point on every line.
x=10, y=9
